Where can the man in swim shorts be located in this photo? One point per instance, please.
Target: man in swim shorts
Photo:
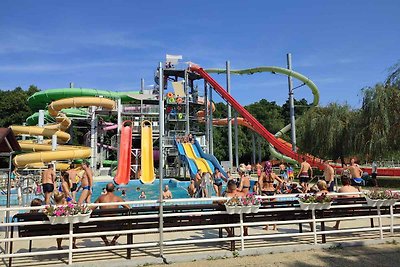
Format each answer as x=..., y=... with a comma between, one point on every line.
x=303, y=175
x=74, y=179
x=355, y=173
x=48, y=180
x=86, y=184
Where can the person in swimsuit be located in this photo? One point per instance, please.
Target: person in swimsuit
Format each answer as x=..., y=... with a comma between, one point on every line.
x=282, y=171
x=356, y=173
x=74, y=179
x=192, y=189
x=303, y=175
x=142, y=195
x=259, y=169
x=65, y=187
x=110, y=197
x=167, y=193
x=218, y=181
x=266, y=182
x=48, y=180
x=86, y=184
x=244, y=180
x=232, y=191
x=59, y=199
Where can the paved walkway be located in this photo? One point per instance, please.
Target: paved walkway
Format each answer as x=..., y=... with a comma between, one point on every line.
x=375, y=255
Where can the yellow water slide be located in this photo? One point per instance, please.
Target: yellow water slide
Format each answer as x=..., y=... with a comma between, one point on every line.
x=147, y=159
x=200, y=162
x=43, y=152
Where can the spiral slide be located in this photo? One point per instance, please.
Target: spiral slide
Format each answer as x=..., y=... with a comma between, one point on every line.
x=147, y=158
x=258, y=127
x=124, y=161
x=43, y=152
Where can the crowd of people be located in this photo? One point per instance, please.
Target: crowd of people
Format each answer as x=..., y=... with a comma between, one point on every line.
x=185, y=139
x=72, y=181
x=272, y=182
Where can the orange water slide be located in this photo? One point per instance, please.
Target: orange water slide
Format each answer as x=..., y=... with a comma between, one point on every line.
x=124, y=162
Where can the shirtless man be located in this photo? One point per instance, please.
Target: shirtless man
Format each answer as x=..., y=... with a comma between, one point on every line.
x=107, y=198
x=232, y=191
x=167, y=193
x=303, y=175
x=355, y=172
x=346, y=188
x=329, y=175
x=197, y=179
x=48, y=180
x=86, y=184
x=74, y=179
x=192, y=188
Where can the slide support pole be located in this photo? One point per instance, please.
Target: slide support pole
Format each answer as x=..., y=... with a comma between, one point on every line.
x=291, y=104
x=228, y=89
x=161, y=161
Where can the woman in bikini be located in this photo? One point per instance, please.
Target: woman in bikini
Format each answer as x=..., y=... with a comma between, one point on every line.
x=219, y=178
x=244, y=185
x=266, y=182
x=65, y=187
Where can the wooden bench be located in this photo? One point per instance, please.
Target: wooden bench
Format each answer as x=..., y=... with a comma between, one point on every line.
x=186, y=219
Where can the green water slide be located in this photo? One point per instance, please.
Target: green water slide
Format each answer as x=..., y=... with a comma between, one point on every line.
x=69, y=112
x=41, y=99
x=291, y=73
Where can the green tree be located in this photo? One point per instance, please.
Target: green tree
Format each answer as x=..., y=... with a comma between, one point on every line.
x=14, y=108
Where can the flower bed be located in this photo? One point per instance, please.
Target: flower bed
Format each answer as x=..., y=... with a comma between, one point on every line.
x=379, y=198
x=68, y=213
x=315, y=202
x=248, y=204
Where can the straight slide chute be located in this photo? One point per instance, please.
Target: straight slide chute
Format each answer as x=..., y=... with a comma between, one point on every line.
x=147, y=158
x=124, y=162
x=258, y=127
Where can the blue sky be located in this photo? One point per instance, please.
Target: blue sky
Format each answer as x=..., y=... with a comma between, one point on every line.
x=341, y=45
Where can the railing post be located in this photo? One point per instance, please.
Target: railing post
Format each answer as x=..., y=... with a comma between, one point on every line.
x=391, y=220
x=314, y=226
x=241, y=231
x=70, y=246
x=380, y=222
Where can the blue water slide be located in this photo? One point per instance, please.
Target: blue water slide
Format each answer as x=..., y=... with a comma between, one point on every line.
x=210, y=158
x=190, y=163
x=198, y=154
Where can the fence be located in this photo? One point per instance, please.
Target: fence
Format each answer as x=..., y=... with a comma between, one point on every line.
x=314, y=236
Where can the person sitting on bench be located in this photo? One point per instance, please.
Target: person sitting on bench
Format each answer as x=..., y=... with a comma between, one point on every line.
x=107, y=198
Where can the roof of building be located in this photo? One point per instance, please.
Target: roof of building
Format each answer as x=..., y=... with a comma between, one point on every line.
x=8, y=142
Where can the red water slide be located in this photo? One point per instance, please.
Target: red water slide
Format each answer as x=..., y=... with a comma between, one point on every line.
x=124, y=162
x=257, y=126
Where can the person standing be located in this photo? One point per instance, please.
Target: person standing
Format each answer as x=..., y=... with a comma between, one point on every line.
x=86, y=183
x=74, y=179
x=259, y=170
x=283, y=172
x=329, y=175
x=48, y=180
x=244, y=182
x=218, y=179
x=304, y=175
x=355, y=172
x=374, y=173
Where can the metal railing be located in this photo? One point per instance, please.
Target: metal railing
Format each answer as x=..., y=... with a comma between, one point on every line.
x=171, y=241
